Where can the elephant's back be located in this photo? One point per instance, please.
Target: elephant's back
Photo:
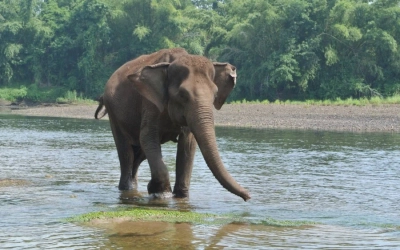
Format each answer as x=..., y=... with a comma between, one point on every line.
x=131, y=67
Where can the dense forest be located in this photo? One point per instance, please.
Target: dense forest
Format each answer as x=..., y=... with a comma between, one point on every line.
x=283, y=49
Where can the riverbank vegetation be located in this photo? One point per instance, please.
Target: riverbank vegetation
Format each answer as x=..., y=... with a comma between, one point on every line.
x=376, y=100
x=285, y=51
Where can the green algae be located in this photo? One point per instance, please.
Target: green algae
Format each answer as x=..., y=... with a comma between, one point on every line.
x=174, y=216
x=286, y=223
x=147, y=214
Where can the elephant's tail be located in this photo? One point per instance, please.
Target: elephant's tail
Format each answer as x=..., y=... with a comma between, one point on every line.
x=99, y=108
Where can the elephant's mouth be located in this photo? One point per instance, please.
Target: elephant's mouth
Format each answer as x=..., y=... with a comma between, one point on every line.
x=184, y=122
x=177, y=115
x=181, y=121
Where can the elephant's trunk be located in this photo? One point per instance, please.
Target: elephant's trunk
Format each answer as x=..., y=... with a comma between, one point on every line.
x=202, y=127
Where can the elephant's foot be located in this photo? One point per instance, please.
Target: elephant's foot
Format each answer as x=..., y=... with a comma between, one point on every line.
x=127, y=185
x=161, y=195
x=159, y=188
x=180, y=192
x=127, y=196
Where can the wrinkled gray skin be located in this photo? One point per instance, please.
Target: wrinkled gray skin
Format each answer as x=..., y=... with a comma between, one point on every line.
x=168, y=96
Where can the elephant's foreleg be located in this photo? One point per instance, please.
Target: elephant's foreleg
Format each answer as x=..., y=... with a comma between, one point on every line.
x=184, y=162
x=150, y=144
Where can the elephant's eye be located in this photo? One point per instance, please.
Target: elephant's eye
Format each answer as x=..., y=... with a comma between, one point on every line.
x=183, y=95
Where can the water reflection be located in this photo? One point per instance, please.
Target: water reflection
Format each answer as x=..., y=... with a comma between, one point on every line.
x=161, y=235
x=155, y=235
x=57, y=168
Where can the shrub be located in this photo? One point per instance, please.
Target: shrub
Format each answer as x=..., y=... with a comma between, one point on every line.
x=13, y=94
x=72, y=97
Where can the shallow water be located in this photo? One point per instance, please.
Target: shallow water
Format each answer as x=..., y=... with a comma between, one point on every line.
x=348, y=183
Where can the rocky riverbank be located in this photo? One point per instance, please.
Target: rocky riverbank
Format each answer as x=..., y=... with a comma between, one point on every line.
x=367, y=118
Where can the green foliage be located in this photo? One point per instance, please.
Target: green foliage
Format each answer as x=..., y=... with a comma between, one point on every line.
x=287, y=49
x=376, y=100
x=13, y=94
x=331, y=56
x=43, y=94
x=32, y=93
x=141, y=31
x=72, y=97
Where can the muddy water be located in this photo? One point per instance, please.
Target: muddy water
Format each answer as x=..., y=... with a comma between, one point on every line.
x=347, y=183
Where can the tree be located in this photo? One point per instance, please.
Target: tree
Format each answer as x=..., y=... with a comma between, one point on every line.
x=360, y=52
x=284, y=49
x=10, y=47
x=273, y=44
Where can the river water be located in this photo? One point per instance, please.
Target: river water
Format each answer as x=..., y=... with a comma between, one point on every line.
x=346, y=183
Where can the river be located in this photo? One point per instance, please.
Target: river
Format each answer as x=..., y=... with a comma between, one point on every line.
x=348, y=184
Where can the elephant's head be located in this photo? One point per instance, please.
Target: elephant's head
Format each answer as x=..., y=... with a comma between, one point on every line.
x=190, y=86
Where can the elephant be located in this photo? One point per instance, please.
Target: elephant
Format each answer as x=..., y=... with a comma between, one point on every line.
x=168, y=96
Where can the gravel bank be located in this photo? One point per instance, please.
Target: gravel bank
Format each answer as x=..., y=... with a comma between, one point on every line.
x=311, y=117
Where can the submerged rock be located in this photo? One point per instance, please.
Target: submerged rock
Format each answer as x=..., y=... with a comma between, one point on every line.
x=12, y=182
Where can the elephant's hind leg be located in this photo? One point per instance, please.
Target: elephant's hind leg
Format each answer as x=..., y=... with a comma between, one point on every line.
x=126, y=157
x=139, y=157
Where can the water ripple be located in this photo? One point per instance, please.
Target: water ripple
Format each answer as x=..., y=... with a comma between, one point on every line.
x=348, y=183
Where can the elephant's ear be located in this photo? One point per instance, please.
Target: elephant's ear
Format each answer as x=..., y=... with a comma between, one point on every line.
x=150, y=83
x=225, y=79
